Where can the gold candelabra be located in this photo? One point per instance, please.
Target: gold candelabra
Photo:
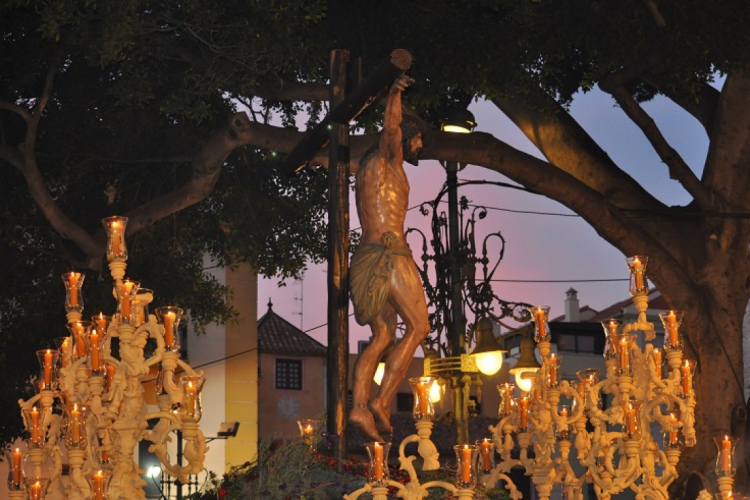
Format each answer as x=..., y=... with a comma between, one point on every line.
x=90, y=398
x=614, y=446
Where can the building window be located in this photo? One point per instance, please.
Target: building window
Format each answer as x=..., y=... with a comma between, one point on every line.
x=405, y=401
x=289, y=374
x=575, y=343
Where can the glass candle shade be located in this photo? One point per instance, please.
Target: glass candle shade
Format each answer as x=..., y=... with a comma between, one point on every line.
x=169, y=317
x=14, y=457
x=523, y=404
x=553, y=370
x=48, y=359
x=631, y=417
x=95, y=353
x=730, y=495
x=506, y=399
x=377, y=473
x=309, y=430
x=726, y=465
x=191, y=408
x=638, y=281
x=127, y=291
x=143, y=298
x=63, y=345
x=75, y=427
x=687, y=370
x=658, y=357
x=485, y=455
x=624, y=345
x=611, y=332
x=73, y=298
x=563, y=431
x=466, y=475
x=36, y=488
x=99, y=482
x=671, y=320
x=79, y=332
x=540, y=316
x=672, y=438
x=101, y=323
x=423, y=408
x=115, y=228
x=35, y=419
x=587, y=379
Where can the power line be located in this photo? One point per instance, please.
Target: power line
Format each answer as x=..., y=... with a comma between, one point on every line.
x=562, y=281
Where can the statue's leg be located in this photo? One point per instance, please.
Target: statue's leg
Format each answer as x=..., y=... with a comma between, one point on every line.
x=407, y=298
x=364, y=370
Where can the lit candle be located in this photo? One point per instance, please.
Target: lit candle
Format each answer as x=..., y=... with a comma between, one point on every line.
x=466, y=464
x=35, y=427
x=127, y=286
x=673, y=433
x=506, y=398
x=73, y=283
x=687, y=385
x=378, y=459
x=169, y=328
x=624, y=352
x=105, y=456
x=630, y=419
x=75, y=424
x=99, y=486
x=553, y=369
x=638, y=272
x=308, y=430
x=541, y=323
x=422, y=397
x=190, y=399
x=101, y=323
x=94, y=341
x=672, y=327
x=658, y=361
x=48, y=368
x=116, y=249
x=725, y=462
x=523, y=412
x=80, y=342
x=110, y=376
x=564, y=412
x=17, y=469
x=486, y=448
x=35, y=492
x=612, y=328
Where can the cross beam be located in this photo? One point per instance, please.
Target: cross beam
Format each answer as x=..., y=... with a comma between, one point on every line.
x=363, y=96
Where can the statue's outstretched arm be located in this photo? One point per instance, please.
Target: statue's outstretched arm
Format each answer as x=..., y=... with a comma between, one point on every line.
x=390, y=139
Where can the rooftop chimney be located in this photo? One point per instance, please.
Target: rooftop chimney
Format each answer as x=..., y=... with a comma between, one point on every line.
x=572, y=308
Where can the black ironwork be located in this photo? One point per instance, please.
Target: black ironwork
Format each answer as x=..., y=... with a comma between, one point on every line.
x=463, y=271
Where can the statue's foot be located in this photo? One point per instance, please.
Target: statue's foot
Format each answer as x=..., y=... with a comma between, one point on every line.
x=363, y=419
x=383, y=415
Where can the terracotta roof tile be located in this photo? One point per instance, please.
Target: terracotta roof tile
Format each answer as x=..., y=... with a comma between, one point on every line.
x=277, y=335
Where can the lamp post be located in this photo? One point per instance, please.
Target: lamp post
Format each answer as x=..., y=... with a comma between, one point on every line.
x=456, y=288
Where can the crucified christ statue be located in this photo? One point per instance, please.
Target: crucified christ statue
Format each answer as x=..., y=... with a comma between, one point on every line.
x=383, y=276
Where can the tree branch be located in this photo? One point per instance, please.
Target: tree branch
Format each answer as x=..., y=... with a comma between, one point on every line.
x=14, y=108
x=678, y=169
x=702, y=107
x=284, y=90
x=666, y=243
x=726, y=173
x=567, y=145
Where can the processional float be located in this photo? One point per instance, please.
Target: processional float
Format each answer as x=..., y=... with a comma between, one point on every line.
x=90, y=396
x=625, y=431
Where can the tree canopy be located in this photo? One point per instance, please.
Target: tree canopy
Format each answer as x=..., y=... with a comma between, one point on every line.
x=140, y=99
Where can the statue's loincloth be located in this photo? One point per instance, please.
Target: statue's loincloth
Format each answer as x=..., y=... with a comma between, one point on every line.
x=370, y=273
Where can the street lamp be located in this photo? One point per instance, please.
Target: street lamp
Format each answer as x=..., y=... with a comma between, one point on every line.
x=527, y=365
x=488, y=354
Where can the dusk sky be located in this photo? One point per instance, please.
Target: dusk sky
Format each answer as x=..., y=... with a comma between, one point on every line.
x=560, y=249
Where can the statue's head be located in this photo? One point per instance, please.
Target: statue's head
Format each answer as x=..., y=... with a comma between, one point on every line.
x=411, y=139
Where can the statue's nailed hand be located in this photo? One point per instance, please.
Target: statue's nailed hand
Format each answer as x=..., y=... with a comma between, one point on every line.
x=401, y=83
